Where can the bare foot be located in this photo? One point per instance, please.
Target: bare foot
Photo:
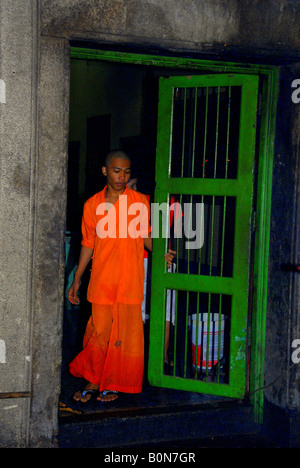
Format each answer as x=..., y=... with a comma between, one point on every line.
x=85, y=395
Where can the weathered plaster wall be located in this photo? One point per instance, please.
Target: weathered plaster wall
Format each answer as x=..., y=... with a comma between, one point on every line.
x=197, y=25
x=282, y=377
x=18, y=54
x=33, y=197
x=49, y=237
x=283, y=296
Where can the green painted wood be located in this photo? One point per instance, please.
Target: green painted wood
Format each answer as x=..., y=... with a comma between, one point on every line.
x=242, y=189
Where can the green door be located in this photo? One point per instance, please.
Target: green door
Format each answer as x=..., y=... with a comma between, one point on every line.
x=203, y=210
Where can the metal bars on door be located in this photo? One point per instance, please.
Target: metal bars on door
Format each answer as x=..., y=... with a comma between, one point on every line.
x=204, y=186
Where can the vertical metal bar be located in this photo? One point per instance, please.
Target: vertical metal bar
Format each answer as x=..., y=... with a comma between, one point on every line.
x=223, y=235
x=204, y=158
x=189, y=230
x=212, y=228
x=175, y=334
x=188, y=294
x=215, y=173
x=176, y=235
x=212, y=233
x=194, y=129
x=197, y=335
x=205, y=133
x=223, y=231
x=193, y=163
x=208, y=333
x=201, y=221
x=186, y=331
x=220, y=296
x=228, y=127
x=203, y=163
x=177, y=239
x=226, y=174
x=217, y=131
x=219, y=338
x=183, y=133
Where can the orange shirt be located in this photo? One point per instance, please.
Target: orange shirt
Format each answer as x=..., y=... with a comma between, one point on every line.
x=116, y=236
x=146, y=251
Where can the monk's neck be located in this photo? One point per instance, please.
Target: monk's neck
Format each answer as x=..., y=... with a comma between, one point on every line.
x=111, y=196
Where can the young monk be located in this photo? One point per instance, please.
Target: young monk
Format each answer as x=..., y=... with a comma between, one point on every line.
x=112, y=359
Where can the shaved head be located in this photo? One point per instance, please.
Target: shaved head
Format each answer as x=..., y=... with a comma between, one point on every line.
x=115, y=154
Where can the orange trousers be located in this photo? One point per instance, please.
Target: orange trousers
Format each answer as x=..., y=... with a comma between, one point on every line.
x=113, y=349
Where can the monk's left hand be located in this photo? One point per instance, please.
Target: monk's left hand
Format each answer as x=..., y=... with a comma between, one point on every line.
x=170, y=256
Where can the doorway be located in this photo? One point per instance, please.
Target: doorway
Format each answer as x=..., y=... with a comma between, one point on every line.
x=115, y=101
x=112, y=106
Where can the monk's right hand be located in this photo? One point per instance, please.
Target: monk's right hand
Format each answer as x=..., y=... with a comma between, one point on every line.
x=72, y=294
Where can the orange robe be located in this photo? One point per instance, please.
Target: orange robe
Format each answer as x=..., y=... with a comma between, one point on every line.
x=113, y=346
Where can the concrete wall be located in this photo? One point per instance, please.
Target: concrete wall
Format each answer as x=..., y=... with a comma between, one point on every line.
x=198, y=25
x=34, y=132
x=283, y=316
x=18, y=46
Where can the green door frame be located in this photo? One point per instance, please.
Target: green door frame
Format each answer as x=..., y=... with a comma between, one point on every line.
x=269, y=91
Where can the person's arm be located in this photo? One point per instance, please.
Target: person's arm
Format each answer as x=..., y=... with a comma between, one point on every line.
x=84, y=259
x=148, y=243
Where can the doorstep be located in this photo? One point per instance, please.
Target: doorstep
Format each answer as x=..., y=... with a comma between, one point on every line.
x=156, y=415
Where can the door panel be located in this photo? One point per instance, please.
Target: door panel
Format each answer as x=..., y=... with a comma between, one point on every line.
x=204, y=187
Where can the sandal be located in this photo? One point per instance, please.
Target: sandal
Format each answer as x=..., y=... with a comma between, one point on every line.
x=108, y=395
x=86, y=391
